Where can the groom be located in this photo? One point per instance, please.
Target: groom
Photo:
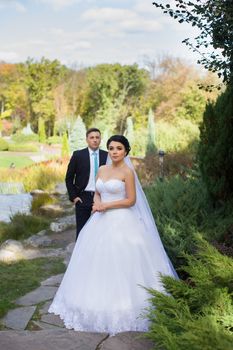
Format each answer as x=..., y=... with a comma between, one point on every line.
x=80, y=176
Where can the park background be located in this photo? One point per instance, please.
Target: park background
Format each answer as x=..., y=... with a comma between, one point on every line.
x=178, y=119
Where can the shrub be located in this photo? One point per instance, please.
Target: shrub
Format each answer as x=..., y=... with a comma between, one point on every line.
x=3, y=145
x=43, y=176
x=179, y=210
x=22, y=226
x=54, y=140
x=216, y=149
x=41, y=199
x=182, y=208
x=23, y=147
x=21, y=138
x=196, y=314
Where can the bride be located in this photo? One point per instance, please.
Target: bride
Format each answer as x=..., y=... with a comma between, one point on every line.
x=117, y=254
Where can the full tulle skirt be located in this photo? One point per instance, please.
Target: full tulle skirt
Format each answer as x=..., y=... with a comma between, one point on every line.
x=113, y=262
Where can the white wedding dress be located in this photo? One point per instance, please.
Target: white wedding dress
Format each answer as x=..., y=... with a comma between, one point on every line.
x=113, y=260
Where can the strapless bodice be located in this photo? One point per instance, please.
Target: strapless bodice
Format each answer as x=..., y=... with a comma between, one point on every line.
x=110, y=190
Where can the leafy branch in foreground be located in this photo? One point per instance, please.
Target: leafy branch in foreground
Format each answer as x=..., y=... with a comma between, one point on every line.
x=214, y=19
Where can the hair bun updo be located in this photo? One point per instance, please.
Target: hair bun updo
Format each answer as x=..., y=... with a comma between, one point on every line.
x=122, y=139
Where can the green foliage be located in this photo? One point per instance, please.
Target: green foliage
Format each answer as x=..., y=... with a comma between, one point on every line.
x=150, y=147
x=41, y=130
x=21, y=277
x=54, y=140
x=214, y=20
x=182, y=208
x=216, y=148
x=21, y=138
x=109, y=86
x=196, y=314
x=28, y=147
x=192, y=104
x=178, y=210
x=65, y=149
x=41, y=199
x=41, y=78
x=129, y=133
x=22, y=226
x=77, y=137
x=105, y=95
x=4, y=146
x=176, y=136
x=43, y=176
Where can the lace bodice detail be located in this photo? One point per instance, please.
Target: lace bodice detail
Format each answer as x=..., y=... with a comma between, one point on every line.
x=111, y=190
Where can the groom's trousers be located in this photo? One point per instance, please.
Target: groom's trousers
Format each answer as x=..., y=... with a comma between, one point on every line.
x=83, y=210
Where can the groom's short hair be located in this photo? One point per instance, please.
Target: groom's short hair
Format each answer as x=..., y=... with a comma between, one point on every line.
x=92, y=130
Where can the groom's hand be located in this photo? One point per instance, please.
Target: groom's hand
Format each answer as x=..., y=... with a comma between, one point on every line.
x=77, y=199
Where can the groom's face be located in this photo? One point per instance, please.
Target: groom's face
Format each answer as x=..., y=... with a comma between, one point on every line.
x=93, y=140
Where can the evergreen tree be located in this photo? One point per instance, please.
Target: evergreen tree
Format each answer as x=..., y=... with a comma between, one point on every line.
x=65, y=149
x=216, y=147
x=41, y=130
x=77, y=137
x=150, y=147
x=104, y=140
x=129, y=133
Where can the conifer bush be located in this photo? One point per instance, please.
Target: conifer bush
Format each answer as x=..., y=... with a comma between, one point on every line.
x=4, y=146
x=216, y=147
x=197, y=313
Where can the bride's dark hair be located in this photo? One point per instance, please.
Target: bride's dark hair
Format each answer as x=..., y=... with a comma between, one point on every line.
x=122, y=139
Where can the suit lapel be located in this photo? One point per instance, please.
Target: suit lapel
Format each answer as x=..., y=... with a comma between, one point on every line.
x=87, y=160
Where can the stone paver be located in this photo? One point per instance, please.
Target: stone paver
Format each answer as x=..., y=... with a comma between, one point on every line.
x=40, y=294
x=44, y=309
x=53, y=281
x=47, y=331
x=60, y=339
x=52, y=319
x=39, y=326
x=18, y=319
x=127, y=341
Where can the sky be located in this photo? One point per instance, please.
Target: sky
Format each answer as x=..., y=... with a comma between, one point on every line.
x=88, y=32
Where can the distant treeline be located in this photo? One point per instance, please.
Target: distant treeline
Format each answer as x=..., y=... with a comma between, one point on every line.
x=104, y=95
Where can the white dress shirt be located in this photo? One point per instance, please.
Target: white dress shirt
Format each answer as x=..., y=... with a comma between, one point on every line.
x=91, y=182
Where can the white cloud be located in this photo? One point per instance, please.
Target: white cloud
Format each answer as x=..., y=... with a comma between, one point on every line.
x=108, y=14
x=8, y=56
x=58, y=4
x=118, y=21
x=78, y=45
x=16, y=5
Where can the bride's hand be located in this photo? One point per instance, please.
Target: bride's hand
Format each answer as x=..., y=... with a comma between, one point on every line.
x=98, y=207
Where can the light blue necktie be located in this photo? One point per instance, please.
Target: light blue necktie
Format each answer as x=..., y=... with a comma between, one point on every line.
x=95, y=163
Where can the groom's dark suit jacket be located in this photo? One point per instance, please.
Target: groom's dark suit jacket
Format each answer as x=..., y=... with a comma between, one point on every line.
x=78, y=171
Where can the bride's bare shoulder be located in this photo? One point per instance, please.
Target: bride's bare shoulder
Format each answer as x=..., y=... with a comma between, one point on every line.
x=103, y=168
x=128, y=171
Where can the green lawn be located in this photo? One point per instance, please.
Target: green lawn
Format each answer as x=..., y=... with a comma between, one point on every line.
x=19, y=161
x=21, y=277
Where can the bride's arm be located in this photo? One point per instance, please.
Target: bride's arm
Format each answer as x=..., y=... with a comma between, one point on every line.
x=97, y=199
x=130, y=199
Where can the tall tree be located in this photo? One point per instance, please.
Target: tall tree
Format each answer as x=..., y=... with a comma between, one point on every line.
x=150, y=148
x=40, y=80
x=214, y=19
x=65, y=149
x=77, y=137
x=216, y=147
x=41, y=130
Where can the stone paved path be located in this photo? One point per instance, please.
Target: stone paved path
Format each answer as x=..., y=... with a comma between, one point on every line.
x=31, y=327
